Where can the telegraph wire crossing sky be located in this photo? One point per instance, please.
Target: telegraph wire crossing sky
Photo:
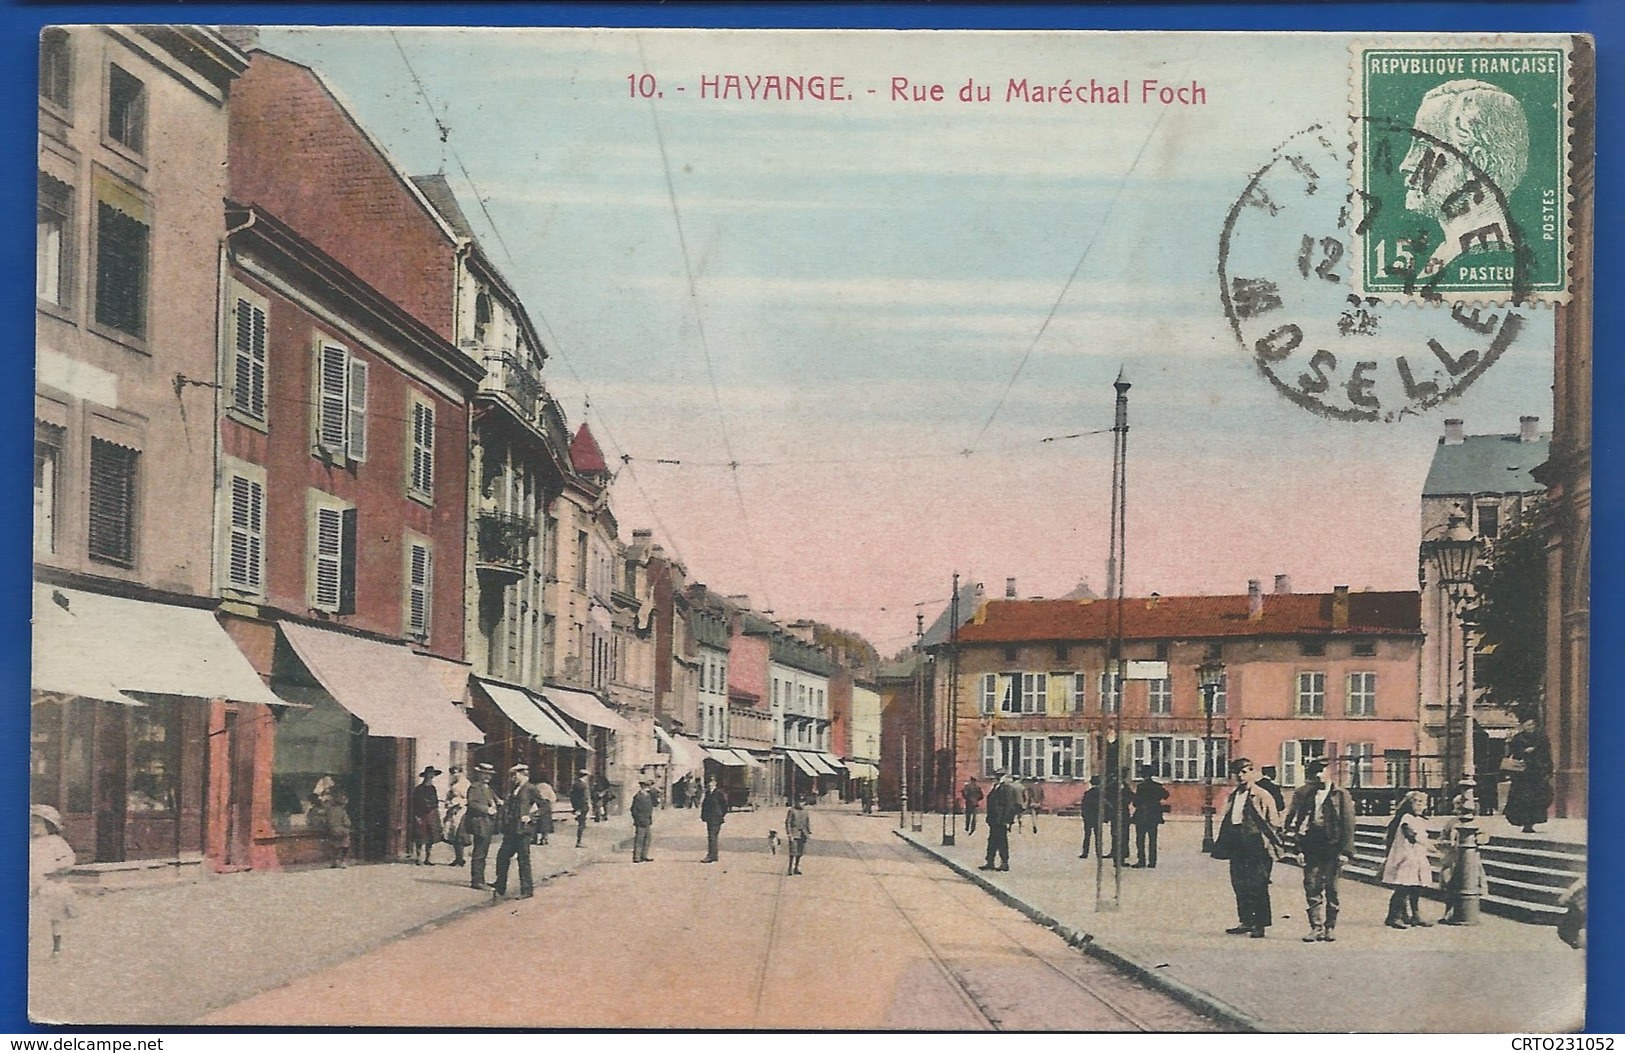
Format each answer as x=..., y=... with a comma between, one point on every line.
x=848, y=349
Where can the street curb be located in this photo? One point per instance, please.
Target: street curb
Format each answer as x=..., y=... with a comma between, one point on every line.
x=1180, y=991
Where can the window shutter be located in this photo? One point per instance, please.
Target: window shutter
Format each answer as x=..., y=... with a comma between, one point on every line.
x=1289, y=762
x=112, y=502
x=248, y=372
x=1007, y=698
x=1080, y=756
x=331, y=397
x=329, y=562
x=990, y=755
x=347, y=561
x=422, y=448
x=357, y=424
x=246, y=556
x=419, y=593
x=990, y=691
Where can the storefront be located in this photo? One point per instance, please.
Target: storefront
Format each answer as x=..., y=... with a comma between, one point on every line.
x=146, y=722
x=520, y=728
x=373, y=711
x=606, y=732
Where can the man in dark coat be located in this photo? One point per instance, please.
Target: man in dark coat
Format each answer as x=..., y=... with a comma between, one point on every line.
x=972, y=796
x=643, y=818
x=713, y=810
x=481, y=822
x=1149, y=796
x=1267, y=783
x=516, y=821
x=581, y=801
x=1249, y=838
x=1321, y=818
x=1004, y=807
x=1529, y=790
x=1094, y=814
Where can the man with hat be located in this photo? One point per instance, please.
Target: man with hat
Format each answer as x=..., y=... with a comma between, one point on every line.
x=1321, y=817
x=425, y=813
x=516, y=820
x=643, y=817
x=480, y=821
x=1004, y=806
x=581, y=801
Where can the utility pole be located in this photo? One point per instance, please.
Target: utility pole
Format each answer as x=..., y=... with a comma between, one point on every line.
x=1115, y=664
x=951, y=822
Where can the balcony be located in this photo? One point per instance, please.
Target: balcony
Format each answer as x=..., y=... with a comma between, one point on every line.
x=503, y=555
x=507, y=375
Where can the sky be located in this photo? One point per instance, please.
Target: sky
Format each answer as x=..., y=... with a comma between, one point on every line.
x=840, y=351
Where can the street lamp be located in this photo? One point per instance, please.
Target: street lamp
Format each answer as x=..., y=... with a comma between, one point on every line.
x=1455, y=555
x=1209, y=677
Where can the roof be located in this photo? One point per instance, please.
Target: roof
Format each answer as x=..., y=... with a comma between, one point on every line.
x=1193, y=617
x=940, y=628
x=1487, y=464
x=585, y=456
x=440, y=195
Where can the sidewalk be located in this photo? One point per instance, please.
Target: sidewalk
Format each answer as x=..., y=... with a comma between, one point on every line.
x=1500, y=976
x=168, y=955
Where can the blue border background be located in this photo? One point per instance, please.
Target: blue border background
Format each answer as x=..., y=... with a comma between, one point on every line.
x=19, y=27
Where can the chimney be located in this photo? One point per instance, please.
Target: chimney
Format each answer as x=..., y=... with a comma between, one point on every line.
x=1528, y=429
x=979, y=591
x=1283, y=585
x=1255, y=600
x=243, y=38
x=1340, y=607
x=1009, y=588
x=642, y=535
x=1452, y=431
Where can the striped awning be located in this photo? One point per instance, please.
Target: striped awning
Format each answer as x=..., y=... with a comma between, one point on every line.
x=801, y=761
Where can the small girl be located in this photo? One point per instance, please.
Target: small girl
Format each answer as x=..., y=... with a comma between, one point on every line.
x=1407, y=869
x=48, y=856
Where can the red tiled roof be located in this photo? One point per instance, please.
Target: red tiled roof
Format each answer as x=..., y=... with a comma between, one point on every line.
x=1192, y=617
x=585, y=456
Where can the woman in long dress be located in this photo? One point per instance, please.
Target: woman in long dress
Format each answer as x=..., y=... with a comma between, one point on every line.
x=1528, y=765
x=1407, y=870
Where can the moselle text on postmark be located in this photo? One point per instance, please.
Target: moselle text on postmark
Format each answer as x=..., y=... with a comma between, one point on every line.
x=1284, y=281
x=1461, y=171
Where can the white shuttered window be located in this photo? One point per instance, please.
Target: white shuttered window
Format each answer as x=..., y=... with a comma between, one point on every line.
x=419, y=590
x=245, y=556
x=422, y=464
x=341, y=402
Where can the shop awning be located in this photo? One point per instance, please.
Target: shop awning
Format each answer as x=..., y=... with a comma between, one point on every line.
x=686, y=755
x=861, y=770
x=745, y=758
x=386, y=685
x=518, y=706
x=727, y=758
x=800, y=760
x=831, y=762
x=585, y=707
x=98, y=646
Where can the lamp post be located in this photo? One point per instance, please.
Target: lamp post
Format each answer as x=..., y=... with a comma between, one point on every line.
x=1455, y=554
x=1209, y=678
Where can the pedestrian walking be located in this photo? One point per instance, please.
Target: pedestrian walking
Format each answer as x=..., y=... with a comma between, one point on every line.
x=1407, y=869
x=544, y=817
x=581, y=801
x=713, y=812
x=1149, y=810
x=1250, y=840
x=480, y=822
x=972, y=796
x=516, y=822
x=601, y=794
x=797, y=830
x=866, y=794
x=1321, y=821
x=456, y=807
x=1266, y=782
x=423, y=810
x=50, y=901
x=1033, y=800
x=643, y=818
x=1528, y=765
x=1004, y=807
x=1091, y=808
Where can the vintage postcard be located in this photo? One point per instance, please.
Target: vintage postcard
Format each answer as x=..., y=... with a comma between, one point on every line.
x=1109, y=512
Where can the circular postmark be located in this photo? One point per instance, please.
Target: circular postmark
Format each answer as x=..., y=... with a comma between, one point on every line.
x=1284, y=281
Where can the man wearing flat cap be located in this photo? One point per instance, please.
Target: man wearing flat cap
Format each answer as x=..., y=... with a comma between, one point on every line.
x=481, y=821
x=516, y=820
x=1004, y=806
x=1321, y=818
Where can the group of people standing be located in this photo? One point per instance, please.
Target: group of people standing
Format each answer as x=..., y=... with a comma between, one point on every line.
x=1012, y=804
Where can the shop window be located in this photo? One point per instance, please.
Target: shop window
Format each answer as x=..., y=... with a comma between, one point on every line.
x=45, y=753
x=112, y=503
x=126, y=109
x=78, y=725
x=154, y=759
x=311, y=760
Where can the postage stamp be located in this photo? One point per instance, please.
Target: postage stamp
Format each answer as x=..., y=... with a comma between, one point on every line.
x=1461, y=168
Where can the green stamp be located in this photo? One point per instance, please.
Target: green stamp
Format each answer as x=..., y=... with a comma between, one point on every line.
x=1461, y=172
